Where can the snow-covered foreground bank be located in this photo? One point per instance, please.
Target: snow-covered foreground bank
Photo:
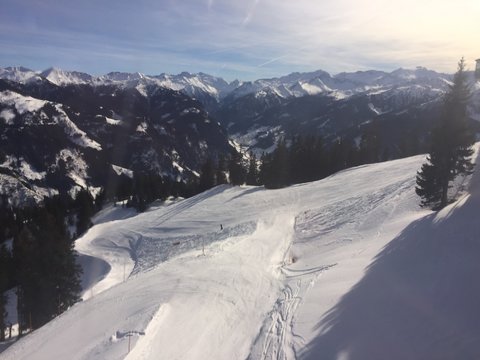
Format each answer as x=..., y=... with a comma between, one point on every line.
x=344, y=268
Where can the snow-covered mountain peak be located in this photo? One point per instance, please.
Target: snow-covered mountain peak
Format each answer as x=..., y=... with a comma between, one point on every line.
x=402, y=73
x=194, y=84
x=367, y=77
x=413, y=74
x=304, y=77
x=64, y=77
x=117, y=76
x=18, y=74
x=411, y=77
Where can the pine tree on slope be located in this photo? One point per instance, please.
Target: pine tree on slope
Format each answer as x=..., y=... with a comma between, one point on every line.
x=252, y=174
x=220, y=176
x=236, y=169
x=451, y=146
x=47, y=275
x=207, y=176
x=4, y=282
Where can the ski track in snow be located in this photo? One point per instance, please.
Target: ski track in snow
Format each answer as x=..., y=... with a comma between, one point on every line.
x=277, y=338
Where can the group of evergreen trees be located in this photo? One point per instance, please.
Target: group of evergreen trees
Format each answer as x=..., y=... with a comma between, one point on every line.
x=306, y=159
x=309, y=159
x=451, y=146
x=223, y=171
x=40, y=264
x=47, y=276
x=303, y=159
x=144, y=187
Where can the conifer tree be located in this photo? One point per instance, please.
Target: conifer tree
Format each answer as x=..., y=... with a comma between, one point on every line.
x=207, y=176
x=281, y=165
x=451, y=146
x=24, y=248
x=4, y=283
x=369, y=149
x=220, y=176
x=316, y=159
x=342, y=155
x=275, y=167
x=299, y=160
x=252, y=174
x=85, y=207
x=265, y=172
x=236, y=169
x=123, y=187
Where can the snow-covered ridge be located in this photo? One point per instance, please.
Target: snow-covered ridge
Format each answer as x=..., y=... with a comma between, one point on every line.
x=21, y=103
x=27, y=104
x=75, y=134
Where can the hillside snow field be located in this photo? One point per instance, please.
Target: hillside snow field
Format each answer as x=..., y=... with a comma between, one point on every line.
x=348, y=267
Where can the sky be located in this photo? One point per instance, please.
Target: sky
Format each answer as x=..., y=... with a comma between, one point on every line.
x=246, y=40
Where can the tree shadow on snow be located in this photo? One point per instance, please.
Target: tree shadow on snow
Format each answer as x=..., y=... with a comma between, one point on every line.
x=93, y=270
x=419, y=299
x=247, y=192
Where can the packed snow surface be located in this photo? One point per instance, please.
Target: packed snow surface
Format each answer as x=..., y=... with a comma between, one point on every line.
x=344, y=268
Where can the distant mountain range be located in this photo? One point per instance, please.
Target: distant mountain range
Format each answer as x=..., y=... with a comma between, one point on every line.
x=197, y=85
x=63, y=130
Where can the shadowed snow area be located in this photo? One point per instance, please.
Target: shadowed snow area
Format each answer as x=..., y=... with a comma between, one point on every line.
x=347, y=267
x=418, y=299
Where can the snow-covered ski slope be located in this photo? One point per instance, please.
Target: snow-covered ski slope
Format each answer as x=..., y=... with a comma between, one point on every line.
x=344, y=268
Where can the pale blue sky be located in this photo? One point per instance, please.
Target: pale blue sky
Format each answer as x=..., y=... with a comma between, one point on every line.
x=246, y=39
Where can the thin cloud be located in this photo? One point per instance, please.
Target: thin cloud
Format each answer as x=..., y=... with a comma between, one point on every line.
x=250, y=12
x=253, y=39
x=272, y=60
